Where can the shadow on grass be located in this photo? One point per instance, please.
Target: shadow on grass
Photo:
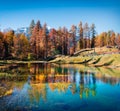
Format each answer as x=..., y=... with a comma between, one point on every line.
x=108, y=63
x=105, y=64
x=97, y=60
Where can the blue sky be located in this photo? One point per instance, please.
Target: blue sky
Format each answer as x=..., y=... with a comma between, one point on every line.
x=105, y=14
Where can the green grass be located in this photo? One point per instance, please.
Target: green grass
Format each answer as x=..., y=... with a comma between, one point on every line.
x=112, y=60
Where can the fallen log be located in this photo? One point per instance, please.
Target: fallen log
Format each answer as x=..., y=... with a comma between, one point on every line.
x=83, y=50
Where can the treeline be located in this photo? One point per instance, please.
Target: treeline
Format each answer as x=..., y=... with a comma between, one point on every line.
x=108, y=39
x=43, y=43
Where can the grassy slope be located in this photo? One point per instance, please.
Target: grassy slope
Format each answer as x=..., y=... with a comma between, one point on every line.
x=109, y=59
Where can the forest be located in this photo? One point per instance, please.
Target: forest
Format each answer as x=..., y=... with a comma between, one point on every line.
x=42, y=43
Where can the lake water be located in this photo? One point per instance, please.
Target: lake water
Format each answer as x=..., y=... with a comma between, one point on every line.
x=51, y=87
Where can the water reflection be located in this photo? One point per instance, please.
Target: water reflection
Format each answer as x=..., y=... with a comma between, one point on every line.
x=45, y=86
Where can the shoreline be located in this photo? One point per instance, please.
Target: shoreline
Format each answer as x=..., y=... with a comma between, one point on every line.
x=109, y=61
x=19, y=61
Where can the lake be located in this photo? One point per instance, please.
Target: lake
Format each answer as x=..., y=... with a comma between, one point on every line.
x=53, y=87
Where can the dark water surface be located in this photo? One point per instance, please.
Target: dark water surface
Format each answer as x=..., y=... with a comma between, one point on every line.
x=50, y=87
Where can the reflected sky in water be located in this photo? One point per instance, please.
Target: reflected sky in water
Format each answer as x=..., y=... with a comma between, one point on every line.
x=48, y=87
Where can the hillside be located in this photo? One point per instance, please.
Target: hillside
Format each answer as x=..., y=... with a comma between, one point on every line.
x=107, y=57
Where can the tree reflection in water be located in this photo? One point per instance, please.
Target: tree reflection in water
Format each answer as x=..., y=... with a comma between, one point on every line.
x=43, y=79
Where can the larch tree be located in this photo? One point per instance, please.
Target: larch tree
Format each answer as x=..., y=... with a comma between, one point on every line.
x=73, y=35
x=52, y=41
x=93, y=33
x=64, y=40
x=45, y=40
x=22, y=46
x=113, y=36
x=81, y=40
x=59, y=40
x=86, y=35
x=31, y=27
x=108, y=38
x=8, y=44
x=34, y=43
